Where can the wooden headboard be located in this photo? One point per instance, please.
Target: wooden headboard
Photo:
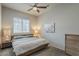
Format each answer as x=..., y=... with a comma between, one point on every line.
x=20, y=35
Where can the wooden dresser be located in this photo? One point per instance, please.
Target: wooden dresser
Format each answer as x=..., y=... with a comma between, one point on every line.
x=72, y=44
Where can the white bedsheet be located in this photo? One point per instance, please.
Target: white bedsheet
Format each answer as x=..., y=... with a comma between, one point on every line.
x=25, y=44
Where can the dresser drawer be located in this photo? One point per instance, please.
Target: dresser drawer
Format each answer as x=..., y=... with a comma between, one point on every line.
x=72, y=44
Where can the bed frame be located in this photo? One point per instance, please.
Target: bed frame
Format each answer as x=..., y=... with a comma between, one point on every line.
x=28, y=53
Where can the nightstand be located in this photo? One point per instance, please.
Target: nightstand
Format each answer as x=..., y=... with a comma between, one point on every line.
x=6, y=44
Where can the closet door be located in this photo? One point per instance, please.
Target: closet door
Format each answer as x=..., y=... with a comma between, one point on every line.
x=72, y=44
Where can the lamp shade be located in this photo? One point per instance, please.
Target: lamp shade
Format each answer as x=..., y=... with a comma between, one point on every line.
x=6, y=33
x=36, y=31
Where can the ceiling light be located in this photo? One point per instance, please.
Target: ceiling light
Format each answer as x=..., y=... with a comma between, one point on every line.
x=35, y=8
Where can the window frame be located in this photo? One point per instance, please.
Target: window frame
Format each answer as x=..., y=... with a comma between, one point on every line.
x=21, y=25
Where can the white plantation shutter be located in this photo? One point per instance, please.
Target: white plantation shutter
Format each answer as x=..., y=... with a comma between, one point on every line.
x=25, y=25
x=20, y=25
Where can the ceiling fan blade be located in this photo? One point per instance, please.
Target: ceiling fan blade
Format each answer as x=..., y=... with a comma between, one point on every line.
x=38, y=11
x=29, y=9
x=41, y=7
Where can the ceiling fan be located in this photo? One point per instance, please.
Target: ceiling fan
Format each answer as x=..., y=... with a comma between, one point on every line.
x=36, y=7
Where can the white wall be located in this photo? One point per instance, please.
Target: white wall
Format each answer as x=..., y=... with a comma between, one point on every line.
x=0, y=23
x=8, y=15
x=66, y=17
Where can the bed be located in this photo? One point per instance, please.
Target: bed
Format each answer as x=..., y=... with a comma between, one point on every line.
x=24, y=45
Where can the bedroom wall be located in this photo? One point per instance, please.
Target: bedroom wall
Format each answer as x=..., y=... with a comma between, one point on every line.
x=0, y=23
x=8, y=14
x=66, y=17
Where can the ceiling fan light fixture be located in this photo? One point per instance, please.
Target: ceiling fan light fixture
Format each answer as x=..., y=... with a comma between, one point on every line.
x=35, y=8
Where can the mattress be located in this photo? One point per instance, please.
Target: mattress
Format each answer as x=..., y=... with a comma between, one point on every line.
x=23, y=45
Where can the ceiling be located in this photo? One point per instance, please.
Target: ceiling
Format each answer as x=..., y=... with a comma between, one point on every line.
x=23, y=7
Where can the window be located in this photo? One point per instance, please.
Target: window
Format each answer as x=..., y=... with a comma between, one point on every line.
x=20, y=25
x=25, y=25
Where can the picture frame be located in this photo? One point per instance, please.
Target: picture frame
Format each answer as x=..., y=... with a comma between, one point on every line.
x=49, y=28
